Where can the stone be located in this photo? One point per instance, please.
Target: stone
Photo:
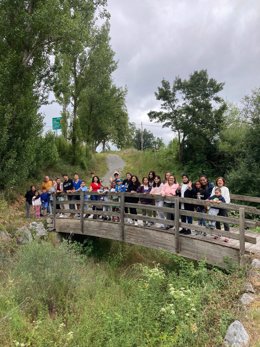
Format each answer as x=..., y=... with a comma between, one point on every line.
x=249, y=288
x=23, y=235
x=256, y=263
x=246, y=299
x=38, y=229
x=5, y=237
x=236, y=335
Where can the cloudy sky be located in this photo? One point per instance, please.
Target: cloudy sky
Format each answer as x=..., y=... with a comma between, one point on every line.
x=156, y=39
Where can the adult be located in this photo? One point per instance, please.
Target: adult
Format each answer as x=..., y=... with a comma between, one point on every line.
x=186, y=191
x=58, y=185
x=47, y=183
x=126, y=183
x=166, y=176
x=94, y=187
x=221, y=183
x=132, y=188
x=169, y=190
x=145, y=189
x=76, y=188
x=68, y=188
x=157, y=190
x=151, y=176
x=206, y=186
x=28, y=200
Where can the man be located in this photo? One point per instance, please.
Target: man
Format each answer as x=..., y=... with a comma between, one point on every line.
x=68, y=188
x=47, y=183
x=28, y=196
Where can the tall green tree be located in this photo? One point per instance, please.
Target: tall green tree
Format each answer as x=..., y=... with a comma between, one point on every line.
x=28, y=32
x=194, y=110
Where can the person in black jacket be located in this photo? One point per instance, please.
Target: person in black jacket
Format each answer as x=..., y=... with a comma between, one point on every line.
x=28, y=200
x=68, y=188
x=132, y=188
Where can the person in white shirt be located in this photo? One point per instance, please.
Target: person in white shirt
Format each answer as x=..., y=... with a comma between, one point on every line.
x=221, y=183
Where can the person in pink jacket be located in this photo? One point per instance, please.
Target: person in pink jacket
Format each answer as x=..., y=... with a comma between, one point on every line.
x=169, y=190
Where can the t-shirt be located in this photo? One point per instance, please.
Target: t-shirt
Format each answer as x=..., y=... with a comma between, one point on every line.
x=47, y=185
x=95, y=186
x=68, y=185
x=76, y=185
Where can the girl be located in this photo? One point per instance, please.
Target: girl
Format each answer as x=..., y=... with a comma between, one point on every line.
x=157, y=190
x=145, y=189
x=95, y=186
x=132, y=188
x=151, y=177
x=169, y=189
x=166, y=177
x=36, y=202
x=186, y=191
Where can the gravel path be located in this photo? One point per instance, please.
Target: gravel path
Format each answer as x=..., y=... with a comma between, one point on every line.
x=114, y=162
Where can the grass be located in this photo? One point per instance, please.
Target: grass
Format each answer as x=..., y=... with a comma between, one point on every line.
x=59, y=296
x=140, y=163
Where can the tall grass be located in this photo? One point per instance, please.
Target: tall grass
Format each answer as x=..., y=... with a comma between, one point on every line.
x=57, y=296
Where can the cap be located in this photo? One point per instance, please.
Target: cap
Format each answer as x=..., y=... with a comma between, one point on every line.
x=116, y=173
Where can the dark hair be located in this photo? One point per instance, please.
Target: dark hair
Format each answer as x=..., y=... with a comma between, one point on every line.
x=98, y=180
x=75, y=173
x=220, y=178
x=65, y=175
x=184, y=175
x=128, y=173
x=144, y=179
x=159, y=183
x=153, y=173
x=218, y=189
x=137, y=179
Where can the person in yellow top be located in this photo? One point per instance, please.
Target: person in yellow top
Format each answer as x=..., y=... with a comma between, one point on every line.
x=47, y=183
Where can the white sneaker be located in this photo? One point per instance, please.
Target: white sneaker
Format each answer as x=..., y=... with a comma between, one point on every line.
x=136, y=223
x=91, y=216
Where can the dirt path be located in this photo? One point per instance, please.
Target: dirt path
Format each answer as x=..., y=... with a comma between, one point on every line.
x=114, y=162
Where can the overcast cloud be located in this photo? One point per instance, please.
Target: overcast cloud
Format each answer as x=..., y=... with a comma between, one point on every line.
x=156, y=39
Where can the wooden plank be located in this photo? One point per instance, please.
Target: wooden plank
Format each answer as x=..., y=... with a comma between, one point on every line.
x=228, y=234
x=177, y=225
x=102, y=203
x=149, y=207
x=122, y=215
x=242, y=232
x=54, y=210
x=149, y=219
x=245, y=198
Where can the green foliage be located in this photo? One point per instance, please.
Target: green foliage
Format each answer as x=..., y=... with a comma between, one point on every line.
x=144, y=139
x=193, y=109
x=56, y=296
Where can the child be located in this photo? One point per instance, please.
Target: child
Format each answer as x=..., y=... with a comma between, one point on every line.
x=157, y=190
x=217, y=198
x=45, y=199
x=36, y=202
x=84, y=188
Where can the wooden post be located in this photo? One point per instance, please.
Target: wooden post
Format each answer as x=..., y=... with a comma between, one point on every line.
x=82, y=196
x=54, y=210
x=177, y=224
x=242, y=232
x=122, y=215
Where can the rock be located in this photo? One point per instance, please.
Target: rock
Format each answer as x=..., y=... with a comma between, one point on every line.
x=256, y=263
x=38, y=229
x=249, y=288
x=5, y=237
x=246, y=298
x=236, y=336
x=23, y=235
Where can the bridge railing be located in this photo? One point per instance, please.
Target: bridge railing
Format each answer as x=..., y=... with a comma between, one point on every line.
x=114, y=207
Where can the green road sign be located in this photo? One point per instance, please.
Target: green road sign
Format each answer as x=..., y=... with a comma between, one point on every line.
x=56, y=123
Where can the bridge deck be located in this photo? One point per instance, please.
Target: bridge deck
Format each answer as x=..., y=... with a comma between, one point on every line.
x=194, y=247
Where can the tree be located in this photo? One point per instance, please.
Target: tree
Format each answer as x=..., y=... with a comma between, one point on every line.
x=144, y=139
x=244, y=177
x=193, y=109
x=28, y=32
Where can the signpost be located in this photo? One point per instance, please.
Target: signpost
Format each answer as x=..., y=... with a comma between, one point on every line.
x=56, y=123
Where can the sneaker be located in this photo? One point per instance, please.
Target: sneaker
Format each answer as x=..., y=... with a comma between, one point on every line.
x=136, y=223
x=91, y=216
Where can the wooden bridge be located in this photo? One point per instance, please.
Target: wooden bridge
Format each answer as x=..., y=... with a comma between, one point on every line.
x=112, y=221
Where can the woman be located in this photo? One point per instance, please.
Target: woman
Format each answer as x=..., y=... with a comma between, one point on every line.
x=166, y=177
x=186, y=191
x=221, y=183
x=151, y=176
x=145, y=189
x=94, y=187
x=169, y=189
x=157, y=190
x=132, y=188
x=126, y=183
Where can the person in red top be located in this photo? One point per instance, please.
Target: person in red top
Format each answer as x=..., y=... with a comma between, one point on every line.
x=95, y=186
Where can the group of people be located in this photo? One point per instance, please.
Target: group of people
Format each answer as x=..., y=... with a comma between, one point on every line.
x=152, y=184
